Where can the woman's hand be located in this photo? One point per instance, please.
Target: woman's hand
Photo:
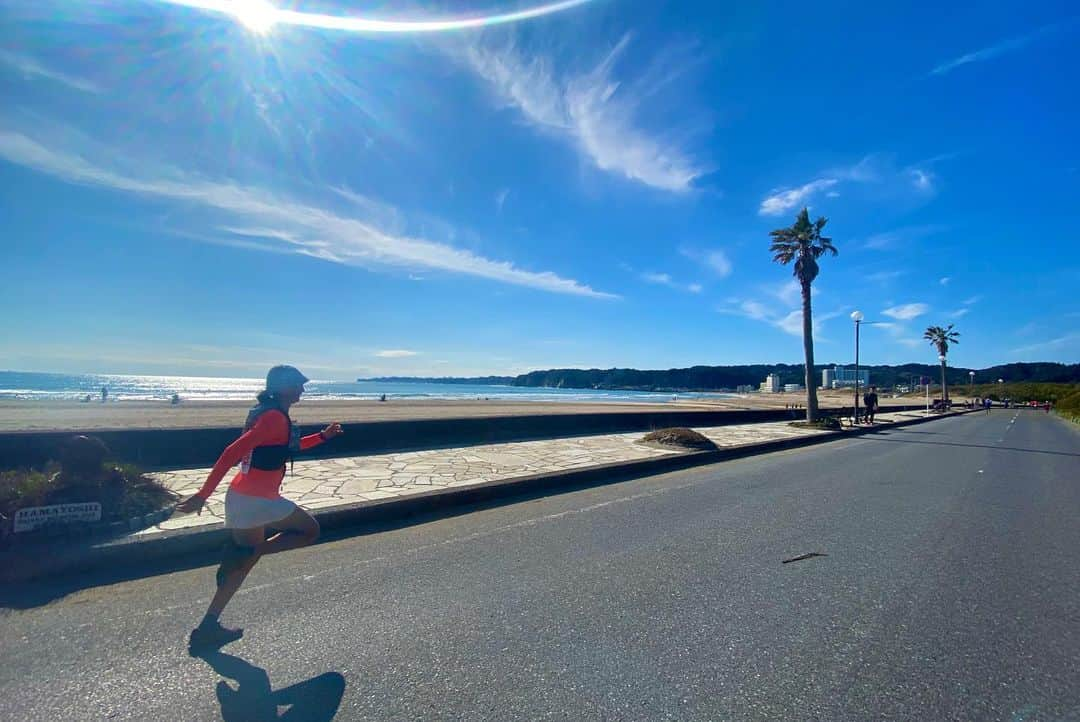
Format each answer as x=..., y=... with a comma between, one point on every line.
x=331, y=431
x=192, y=504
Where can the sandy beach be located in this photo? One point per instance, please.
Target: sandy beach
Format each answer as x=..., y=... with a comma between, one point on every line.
x=18, y=415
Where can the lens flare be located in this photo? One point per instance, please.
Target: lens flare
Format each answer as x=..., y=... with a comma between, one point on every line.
x=260, y=16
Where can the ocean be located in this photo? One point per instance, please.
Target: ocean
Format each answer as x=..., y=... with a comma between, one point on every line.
x=44, y=386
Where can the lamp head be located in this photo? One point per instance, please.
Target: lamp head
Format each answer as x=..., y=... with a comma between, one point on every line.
x=856, y=316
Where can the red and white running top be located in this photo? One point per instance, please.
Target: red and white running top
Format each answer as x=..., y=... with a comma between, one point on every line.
x=270, y=429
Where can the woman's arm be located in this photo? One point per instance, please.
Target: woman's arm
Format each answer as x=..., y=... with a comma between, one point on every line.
x=326, y=434
x=269, y=429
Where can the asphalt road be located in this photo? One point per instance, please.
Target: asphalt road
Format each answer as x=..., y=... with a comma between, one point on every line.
x=948, y=589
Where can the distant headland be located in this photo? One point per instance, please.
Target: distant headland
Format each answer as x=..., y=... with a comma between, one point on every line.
x=728, y=378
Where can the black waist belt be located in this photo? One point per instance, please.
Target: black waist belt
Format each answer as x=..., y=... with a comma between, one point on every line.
x=270, y=458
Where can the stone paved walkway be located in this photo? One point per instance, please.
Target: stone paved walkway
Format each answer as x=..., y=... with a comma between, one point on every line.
x=322, y=483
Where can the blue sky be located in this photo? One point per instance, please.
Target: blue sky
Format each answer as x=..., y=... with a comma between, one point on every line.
x=187, y=190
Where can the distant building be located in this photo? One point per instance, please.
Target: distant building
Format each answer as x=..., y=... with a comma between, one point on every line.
x=771, y=384
x=746, y=389
x=792, y=388
x=842, y=377
x=827, y=378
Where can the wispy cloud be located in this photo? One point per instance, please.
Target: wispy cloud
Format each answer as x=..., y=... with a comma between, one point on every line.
x=1029, y=328
x=791, y=323
x=31, y=67
x=789, y=292
x=396, y=353
x=719, y=263
x=958, y=313
x=277, y=219
x=751, y=309
x=716, y=260
x=500, y=199
x=1005, y=46
x=973, y=300
x=944, y=280
x=780, y=201
x=921, y=179
x=900, y=237
x=907, y=311
x=1067, y=345
x=899, y=333
x=661, y=278
x=884, y=276
x=875, y=175
x=779, y=316
x=883, y=174
x=595, y=110
x=665, y=279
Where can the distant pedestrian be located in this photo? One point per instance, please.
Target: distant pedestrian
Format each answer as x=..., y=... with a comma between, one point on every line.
x=987, y=403
x=104, y=394
x=253, y=504
x=870, y=400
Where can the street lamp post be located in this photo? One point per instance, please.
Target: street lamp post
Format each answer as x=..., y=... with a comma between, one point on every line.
x=857, y=317
x=944, y=388
x=971, y=382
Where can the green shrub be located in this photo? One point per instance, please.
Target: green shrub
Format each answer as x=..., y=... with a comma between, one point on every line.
x=123, y=491
x=1020, y=392
x=1069, y=407
x=24, y=487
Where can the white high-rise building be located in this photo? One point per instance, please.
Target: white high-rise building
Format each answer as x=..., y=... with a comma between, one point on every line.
x=841, y=376
x=771, y=384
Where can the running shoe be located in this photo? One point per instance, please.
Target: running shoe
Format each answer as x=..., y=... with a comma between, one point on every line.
x=211, y=636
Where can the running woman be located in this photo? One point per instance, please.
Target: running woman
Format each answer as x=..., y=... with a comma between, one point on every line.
x=253, y=504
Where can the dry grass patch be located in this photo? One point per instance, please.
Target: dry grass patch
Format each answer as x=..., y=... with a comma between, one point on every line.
x=680, y=438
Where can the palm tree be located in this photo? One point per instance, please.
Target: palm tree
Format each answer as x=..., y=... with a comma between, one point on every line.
x=940, y=338
x=804, y=244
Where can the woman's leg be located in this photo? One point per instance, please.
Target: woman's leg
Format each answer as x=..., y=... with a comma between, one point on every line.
x=250, y=538
x=298, y=529
x=210, y=634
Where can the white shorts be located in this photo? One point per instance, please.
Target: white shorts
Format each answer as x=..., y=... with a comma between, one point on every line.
x=243, y=511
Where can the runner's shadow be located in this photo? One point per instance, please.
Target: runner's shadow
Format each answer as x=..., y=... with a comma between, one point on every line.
x=313, y=700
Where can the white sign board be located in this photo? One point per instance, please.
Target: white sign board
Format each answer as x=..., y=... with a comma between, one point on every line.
x=34, y=516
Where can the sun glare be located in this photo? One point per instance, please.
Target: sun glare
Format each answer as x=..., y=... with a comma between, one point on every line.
x=258, y=16
x=261, y=16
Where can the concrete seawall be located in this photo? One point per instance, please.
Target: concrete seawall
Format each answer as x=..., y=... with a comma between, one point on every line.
x=177, y=448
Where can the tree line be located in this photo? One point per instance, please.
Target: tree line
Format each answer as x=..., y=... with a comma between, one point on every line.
x=716, y=378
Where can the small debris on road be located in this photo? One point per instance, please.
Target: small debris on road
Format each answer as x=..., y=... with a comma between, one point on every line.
x=804, y=556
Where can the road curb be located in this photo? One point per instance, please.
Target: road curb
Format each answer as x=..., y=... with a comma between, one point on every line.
x=31, y=562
